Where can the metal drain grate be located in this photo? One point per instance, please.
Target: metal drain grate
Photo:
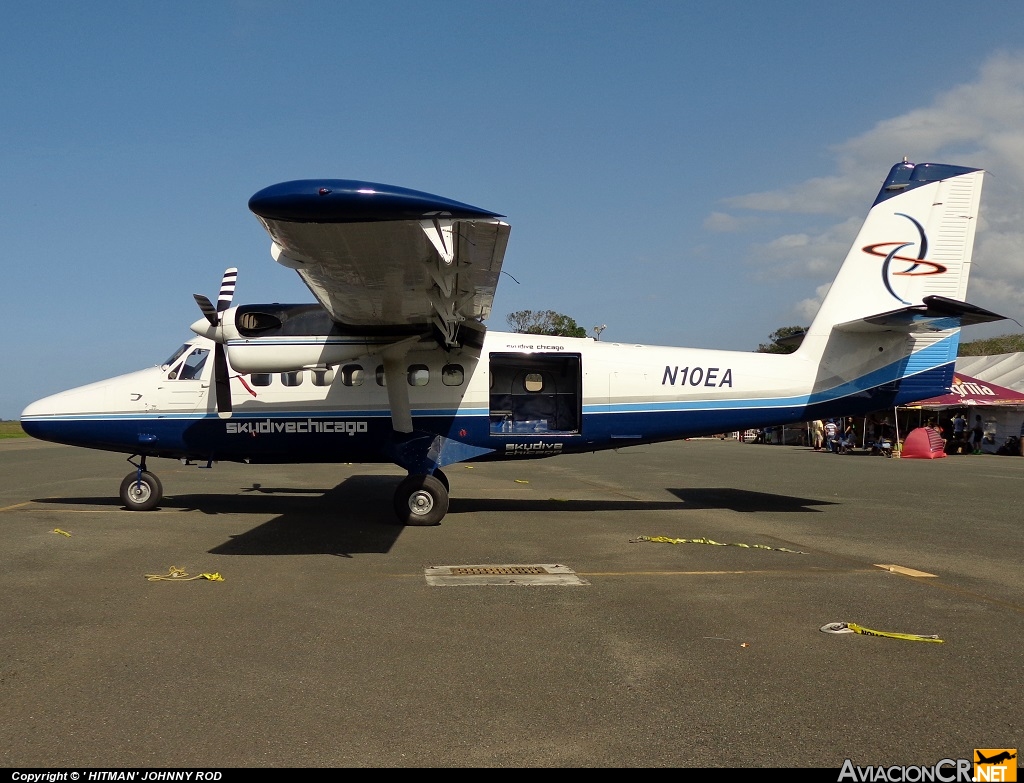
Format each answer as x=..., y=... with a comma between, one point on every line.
x=502, y=574
x=496, y=570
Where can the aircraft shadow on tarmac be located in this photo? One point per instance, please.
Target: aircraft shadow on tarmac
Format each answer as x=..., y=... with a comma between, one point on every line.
x=745, y=501
x=355, y=516
x=689, y=500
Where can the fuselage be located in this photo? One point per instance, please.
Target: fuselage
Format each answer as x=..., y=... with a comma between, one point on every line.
x=517, y=396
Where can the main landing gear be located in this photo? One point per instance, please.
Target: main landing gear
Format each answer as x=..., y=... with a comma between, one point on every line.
x=141, y=490
x=421, y=499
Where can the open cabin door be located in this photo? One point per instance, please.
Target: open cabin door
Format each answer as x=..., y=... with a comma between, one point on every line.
x=535, y=394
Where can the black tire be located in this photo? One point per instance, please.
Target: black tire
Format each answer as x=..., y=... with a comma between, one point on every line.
x=439, y=475
x=141, y=492
x=421, y=500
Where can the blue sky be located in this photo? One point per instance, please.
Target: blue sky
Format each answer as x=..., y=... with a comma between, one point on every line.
x=687, y=173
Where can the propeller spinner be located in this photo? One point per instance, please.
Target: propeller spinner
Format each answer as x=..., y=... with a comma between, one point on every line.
x=215, y=316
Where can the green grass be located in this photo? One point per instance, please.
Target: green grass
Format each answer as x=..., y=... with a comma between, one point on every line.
x=11, y=429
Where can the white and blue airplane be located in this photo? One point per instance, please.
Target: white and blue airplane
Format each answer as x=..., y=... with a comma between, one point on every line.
x=393, y=363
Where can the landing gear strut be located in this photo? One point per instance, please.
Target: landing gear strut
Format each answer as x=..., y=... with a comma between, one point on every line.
x=421, y=499
x=141, y=490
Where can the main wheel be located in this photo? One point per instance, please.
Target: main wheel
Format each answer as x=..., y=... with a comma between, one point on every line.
x=420, y=500
x=439, y=475
x=141, y=492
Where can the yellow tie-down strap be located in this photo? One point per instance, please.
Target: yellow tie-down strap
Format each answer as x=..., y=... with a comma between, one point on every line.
x=854, y=628
x=666, y=540
x=175, y=574
x=910, y=637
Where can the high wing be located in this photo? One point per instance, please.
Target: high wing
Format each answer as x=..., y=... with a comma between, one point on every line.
x=386, y=259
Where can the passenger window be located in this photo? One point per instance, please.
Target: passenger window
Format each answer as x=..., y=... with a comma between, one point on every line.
x=352, y=375
x=292, y=378
x=452, y=375
x=419, y=375
x=381, y=378
x=192, y=367
x=260, y=378
x=323, y=377
x=534, y=382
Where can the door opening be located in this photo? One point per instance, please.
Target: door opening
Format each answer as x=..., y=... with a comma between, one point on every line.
x=533, y=393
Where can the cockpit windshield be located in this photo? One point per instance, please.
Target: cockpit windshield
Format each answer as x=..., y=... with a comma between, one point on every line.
x=176, y=355
x=189, y=369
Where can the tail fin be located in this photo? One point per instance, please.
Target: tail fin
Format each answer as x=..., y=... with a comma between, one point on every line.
x=917, y=241
x=891, y=320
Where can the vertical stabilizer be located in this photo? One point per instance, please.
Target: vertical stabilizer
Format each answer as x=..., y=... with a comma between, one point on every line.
x=878, y=327
x=917, y=241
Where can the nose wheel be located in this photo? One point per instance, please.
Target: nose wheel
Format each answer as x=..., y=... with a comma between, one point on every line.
x=141, y=491
x=421, y=500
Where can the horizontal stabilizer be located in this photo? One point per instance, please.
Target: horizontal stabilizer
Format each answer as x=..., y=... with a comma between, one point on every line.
x=936, y=314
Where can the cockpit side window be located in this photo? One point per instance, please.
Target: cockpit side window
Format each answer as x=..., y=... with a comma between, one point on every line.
x=192, y=367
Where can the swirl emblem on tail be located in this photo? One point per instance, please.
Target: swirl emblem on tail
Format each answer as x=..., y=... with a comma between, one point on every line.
x=890, y=252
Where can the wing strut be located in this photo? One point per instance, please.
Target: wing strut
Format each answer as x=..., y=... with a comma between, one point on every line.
x=397, y=384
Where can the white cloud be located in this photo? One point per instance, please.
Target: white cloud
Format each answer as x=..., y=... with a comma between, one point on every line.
x=723, y=223
x=980, y=124
x=806, y=309
x=816, y=255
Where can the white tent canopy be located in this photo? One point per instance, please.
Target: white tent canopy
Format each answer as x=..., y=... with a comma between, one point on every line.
x=1005, y=369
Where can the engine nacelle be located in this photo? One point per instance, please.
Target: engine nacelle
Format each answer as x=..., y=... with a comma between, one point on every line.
x=271, y=354
x=291, y=337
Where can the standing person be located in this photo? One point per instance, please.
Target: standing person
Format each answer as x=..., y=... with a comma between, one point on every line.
x=849, y=437
x=831, y=430
x=977, y=433
x=818, y=434
x=886, y=428
x=959, y=427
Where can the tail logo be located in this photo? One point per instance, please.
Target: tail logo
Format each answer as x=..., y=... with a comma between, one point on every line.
x=890, y=252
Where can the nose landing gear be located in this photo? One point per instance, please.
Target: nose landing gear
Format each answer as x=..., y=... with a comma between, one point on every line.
x=140, y=489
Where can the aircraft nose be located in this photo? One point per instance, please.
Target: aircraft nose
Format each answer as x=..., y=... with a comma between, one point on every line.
x=84, y=399
x=47, y=406
x=41, y=416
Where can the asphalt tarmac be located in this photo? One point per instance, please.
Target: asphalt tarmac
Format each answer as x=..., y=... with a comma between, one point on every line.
x=326, y=646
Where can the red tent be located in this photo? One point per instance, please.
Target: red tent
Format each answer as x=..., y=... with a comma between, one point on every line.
x=924, y=443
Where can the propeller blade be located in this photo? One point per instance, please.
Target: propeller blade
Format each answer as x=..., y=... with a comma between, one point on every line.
x=227, y=289
x=221, y=381
x=207, y=307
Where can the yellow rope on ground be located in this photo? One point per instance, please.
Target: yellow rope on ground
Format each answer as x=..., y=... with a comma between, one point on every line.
x=910, y=637
x=64, y=533
x=665, y=540
x=175, y=574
